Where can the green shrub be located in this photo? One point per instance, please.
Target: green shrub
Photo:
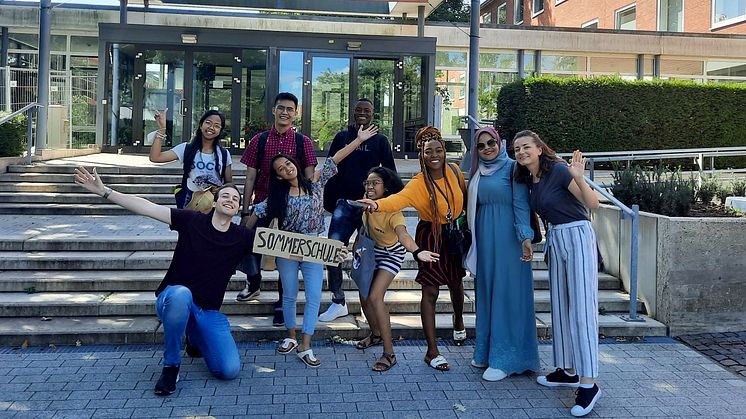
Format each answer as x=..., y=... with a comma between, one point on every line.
x=723, y=192
x=13, y=136
x=658, y=190
x=608, y=114
x=708, y=190
x=738, y=187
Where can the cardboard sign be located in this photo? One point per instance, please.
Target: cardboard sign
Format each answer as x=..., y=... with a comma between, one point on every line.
x=284, y=244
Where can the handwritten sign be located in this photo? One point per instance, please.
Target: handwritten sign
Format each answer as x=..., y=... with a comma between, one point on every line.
x=284, y=244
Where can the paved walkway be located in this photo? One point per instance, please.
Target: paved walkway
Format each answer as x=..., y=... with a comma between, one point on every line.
x=658, y=378
x=729, y=348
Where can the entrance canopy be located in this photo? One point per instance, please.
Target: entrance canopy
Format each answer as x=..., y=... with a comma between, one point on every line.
x=333, y=7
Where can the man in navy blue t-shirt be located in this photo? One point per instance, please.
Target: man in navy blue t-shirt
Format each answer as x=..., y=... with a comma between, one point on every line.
x=189, y=297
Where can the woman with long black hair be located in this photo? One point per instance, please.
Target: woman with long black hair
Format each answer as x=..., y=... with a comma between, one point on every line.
x=206, y=163
x=437, y=193
x=297, y=204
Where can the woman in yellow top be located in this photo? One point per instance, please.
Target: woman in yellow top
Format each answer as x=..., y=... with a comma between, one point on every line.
x=389, y=231
x=434, y=192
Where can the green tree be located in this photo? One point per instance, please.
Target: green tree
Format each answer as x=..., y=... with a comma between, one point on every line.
x=451, y=11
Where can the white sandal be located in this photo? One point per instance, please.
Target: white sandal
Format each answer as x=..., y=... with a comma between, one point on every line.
x=438, y=362
x=308, y=358
x=287, y=345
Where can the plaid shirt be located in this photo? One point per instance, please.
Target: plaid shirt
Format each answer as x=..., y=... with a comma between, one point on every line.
x=276, y=143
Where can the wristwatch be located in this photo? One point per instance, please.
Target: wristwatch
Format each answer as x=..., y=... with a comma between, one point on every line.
x=107, y=192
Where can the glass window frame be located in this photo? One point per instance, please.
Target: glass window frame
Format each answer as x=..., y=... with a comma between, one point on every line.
x=589, y=23
x=535, y=12
x=660, y=16
x=725, y=22
x=618, y=15
x=503, y=6
x=518, y=5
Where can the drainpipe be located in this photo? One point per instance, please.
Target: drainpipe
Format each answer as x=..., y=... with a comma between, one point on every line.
x=45, y=26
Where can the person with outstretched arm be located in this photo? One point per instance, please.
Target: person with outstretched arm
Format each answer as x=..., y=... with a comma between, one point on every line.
x=189, y=298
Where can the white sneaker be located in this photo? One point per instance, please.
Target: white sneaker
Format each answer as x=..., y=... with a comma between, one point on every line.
x=475, y=364
x=334, y=311
x=493, y=374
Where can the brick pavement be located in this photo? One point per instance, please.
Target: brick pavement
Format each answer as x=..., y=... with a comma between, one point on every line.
x=657, y=378
x=728, y=349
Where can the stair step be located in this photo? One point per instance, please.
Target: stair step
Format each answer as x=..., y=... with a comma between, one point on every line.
x=143, y=303
x=113, y=281
x=72, y=242
x=131, y=260
x=147, y=329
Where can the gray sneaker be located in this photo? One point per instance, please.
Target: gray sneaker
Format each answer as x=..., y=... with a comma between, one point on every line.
x=247, y=295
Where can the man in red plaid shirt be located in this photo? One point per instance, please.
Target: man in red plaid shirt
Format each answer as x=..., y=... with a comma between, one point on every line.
x=280, y=139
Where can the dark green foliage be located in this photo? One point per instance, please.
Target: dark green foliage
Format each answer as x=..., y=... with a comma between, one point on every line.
x=13, y=136
x=708, y=190
x=658, y=191
x=724, y=191
x=608, y=113
x=451, y=11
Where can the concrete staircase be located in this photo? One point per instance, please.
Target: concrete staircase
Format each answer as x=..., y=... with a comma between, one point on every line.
x=75, y=269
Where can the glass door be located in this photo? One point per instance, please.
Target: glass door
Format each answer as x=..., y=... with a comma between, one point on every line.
x=374, y=80
x=329, y=112
x=215, y=85
x=161, y=76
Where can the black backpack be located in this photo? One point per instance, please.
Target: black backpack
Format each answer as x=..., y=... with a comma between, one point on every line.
x=299, y=149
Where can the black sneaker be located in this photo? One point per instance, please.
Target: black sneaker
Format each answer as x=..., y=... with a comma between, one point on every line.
x=278, y=319
x=247, y=294
x=192, y=350
x=166, y=385
x=558, y=379
x=585, y=399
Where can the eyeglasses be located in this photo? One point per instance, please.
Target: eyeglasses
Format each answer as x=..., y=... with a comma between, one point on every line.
x=372, y=183
x=210, y=124
x=283, y=109
x=489, y=143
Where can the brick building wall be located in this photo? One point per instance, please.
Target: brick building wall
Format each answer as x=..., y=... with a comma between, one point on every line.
x=575, y=13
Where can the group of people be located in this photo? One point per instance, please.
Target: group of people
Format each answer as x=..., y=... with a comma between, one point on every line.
x=283, y=188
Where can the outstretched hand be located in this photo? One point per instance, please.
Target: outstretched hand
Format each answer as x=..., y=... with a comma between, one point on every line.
x=370, y=205
x=577, y=166
x=428, y=256
x=91, y=182
x=342, y=255
x=365, y=134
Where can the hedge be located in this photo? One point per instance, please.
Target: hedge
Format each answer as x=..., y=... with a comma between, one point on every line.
x=13, y=136
x=608, y=113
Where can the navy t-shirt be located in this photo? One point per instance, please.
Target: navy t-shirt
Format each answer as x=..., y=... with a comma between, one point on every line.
x=205, y=258
x=551, y=199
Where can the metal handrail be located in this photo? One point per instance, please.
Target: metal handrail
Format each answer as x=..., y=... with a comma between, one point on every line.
x=18, y=112
x=653, y=154
x=29, y=110
x=634, y=214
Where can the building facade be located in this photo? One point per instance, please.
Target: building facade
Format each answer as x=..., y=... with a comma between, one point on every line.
x=189, y=63
x=693, y=16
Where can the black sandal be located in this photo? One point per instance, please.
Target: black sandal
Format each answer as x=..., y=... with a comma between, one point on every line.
x=385, y=362
x=368, y=341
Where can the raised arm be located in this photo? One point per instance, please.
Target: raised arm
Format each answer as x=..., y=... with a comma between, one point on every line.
x=92, y=183
x=156, y=155
x=578, y=187
x=248, y=192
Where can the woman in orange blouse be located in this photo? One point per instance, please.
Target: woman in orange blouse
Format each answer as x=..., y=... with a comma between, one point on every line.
x=434, y=192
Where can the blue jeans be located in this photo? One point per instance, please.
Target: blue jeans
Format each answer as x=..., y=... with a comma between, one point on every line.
x=346, y=219
x=313, y=274
x=208, y=330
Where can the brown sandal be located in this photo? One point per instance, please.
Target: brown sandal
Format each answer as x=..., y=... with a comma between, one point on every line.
x=368, y=341
x=385, y=362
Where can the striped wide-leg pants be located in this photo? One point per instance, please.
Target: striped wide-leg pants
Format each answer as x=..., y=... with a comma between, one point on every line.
x=573, y=287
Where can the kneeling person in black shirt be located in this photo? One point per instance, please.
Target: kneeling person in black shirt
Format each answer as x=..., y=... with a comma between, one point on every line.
x=189, y=297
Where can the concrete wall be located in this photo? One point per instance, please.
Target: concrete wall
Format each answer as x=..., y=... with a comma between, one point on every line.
x=691, y=271
x=702, y=274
